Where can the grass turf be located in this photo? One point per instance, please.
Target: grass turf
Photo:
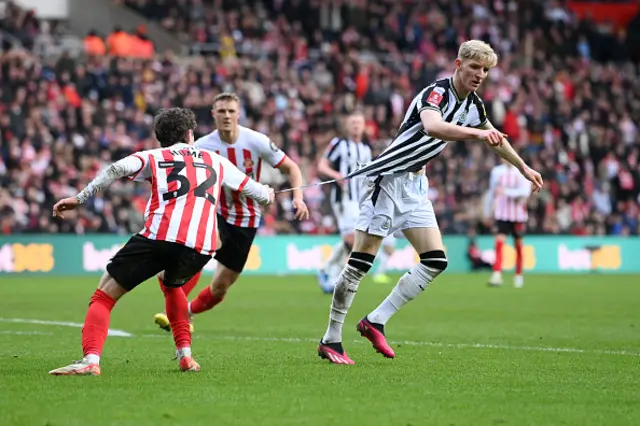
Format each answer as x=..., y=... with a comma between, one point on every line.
x=564, y=350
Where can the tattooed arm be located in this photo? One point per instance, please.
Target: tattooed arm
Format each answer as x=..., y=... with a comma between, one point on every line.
x=126, y=167
x=130, y=166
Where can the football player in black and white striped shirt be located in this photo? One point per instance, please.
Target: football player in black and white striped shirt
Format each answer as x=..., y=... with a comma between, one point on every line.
x=342, y=157
x=396, y=198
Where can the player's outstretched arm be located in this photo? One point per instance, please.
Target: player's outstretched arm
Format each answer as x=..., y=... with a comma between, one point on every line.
x=127, y=166
x=294, y=174
x=234, y=179
x=506, y=151
x=435, y=126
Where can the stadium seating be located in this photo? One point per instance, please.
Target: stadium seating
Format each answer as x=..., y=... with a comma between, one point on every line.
x=566, y=95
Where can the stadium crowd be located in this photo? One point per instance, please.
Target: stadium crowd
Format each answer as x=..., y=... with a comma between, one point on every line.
x=565, y=91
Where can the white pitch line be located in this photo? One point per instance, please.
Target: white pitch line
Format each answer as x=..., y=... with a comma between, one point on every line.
x=121, y=333
x=112, y=332
x=420, y=343
x=23, y=333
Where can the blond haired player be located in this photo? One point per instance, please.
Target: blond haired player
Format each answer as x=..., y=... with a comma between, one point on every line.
x=396, y=196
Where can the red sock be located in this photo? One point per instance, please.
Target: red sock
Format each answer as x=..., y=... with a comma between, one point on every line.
x=519, y=259
x=205, y=301
x=177, y=307
x=191, y=284
x=497, y=265
x=96, y=323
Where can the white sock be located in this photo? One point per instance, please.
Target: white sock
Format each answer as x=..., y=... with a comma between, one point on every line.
x=383, y=258
x=343, y=294
x=92, y=359
x=182, y=352
x=409, y=286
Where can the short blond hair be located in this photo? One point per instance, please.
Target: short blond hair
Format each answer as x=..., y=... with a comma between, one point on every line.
x=226, y=96
x=478, y=50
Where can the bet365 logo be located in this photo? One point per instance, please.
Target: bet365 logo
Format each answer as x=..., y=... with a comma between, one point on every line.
x=606, y=257
x=26, y=258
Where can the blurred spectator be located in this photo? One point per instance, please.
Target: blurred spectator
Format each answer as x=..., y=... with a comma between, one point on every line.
x=565, y=91
x=119, y=42
x=94, y=45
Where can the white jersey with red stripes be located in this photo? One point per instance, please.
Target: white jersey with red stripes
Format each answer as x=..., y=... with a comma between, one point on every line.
x=509, y=191
x=186, y=184
x=246, y=153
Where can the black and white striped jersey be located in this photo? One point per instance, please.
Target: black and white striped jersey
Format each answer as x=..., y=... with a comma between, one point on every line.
x=345, y=156
x=412, y=148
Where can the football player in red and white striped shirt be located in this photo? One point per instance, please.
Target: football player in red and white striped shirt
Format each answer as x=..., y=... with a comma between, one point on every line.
x=178, y=237
x=238, y=216
x=509, y=192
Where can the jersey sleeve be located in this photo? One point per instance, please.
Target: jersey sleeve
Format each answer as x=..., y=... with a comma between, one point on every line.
x=433, y=97
x=143, y=171
x=478, y=114
x=332, y=153
x=270, y=152
x=131, y=167
x=235, y=180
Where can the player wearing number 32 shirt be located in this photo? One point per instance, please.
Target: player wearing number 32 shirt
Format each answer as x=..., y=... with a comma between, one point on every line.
x=178, y=237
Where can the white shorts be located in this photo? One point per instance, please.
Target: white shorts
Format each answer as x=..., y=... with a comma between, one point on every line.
x=396, y=202
x=346, y=215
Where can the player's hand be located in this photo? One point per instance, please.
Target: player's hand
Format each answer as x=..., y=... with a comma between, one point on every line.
x=534, y=177
x=64, y=205
x=272, y=195
x=492, y=136
x=302, y=212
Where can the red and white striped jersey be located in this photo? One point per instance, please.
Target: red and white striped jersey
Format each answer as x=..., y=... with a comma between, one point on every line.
x=509, y=191
x=186, y=185
x=247, y=154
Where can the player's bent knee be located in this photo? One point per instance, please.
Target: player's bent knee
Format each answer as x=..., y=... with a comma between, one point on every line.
x=111, y=287
x=223, y=279
x=366, y=243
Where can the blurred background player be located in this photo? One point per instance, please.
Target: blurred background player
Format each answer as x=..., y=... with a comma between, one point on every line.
x=238, y=216
x=186, y=184
x=343, y=156
x=508, y=195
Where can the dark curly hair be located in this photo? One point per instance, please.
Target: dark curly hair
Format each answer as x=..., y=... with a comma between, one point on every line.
x=171, y=125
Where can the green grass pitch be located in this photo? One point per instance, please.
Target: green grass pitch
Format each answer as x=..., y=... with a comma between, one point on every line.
x=563, y=350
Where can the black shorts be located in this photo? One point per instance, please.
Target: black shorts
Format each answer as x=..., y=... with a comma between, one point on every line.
x=511, y=228
x=236, y=245
x=142, y=258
